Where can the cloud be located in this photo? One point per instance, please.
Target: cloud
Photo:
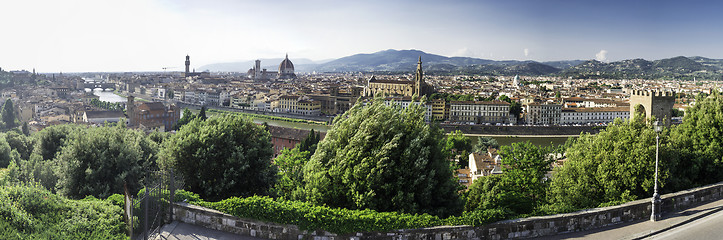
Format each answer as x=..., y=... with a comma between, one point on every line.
x=602, y=55
x=527, y=52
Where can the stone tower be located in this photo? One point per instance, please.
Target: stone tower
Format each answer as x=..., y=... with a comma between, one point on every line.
x=130, y=110
x=655, y=103
x=419, y=79
x=188, y=64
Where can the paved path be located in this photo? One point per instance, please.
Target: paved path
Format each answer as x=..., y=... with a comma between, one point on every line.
x=704, y=228
x=645, y=229
x=184, y=231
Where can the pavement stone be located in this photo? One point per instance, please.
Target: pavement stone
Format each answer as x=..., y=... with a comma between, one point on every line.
x=184, y=231
x=642, y=229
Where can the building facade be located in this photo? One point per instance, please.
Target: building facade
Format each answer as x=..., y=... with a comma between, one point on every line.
x=152, y=115
x=601, y=115
x=479, y=111
x=543, y=114
x=417, y=87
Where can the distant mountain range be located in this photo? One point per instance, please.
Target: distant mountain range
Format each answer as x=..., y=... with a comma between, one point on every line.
x=405, y=61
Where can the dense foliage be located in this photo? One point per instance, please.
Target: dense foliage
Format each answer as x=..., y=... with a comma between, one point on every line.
x=522, y=186
x=221, y=157
x=616, y=165
x=98, y=161
x=290, y=175
x=699, y=141
x=8, y=115
x=31, y=212
x=484, y=143
x=382, y=158
x=111, y=106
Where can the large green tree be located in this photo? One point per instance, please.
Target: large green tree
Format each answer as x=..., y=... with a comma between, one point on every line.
x=19, y=142
x=5, y=156
x=616, y=165
x=99, y=161
x=221, y=157
x=8, y=115
x=383, y=158
x=699, y=140
x=290, y=164
x=50, y=140
x=457, y=145
x=522, y=186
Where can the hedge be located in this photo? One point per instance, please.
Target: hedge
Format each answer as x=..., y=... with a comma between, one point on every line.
x=339, y=220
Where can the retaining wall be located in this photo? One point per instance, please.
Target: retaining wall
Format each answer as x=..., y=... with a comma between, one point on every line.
x=517, y=228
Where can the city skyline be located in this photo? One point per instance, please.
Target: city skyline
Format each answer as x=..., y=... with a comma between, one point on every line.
x=150, y=35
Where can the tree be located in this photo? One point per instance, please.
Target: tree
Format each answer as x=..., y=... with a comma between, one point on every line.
x=202, y=113
x=505, y=98
x=26, y=129
x=699, y=141
x=457, y=144
x=309, y=143
x=522, y=186
x=50, y=140
x=99, y=161
x=515, y=109
x=290, y=175
x=484, y=143
x=383, y=158
x=221, y=157
x=614, y=166
x=8, y=115
x=5, y=150
x=19, y=142
x=185, y=119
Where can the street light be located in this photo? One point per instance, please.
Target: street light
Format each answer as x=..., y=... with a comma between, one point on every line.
x=655, y=210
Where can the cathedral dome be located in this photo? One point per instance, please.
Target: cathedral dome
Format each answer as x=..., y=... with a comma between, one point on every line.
x=286, y=66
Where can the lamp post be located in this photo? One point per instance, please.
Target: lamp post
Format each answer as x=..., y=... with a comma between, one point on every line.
x=655, y=210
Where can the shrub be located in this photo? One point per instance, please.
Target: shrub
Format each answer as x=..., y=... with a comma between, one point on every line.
x=32, y=212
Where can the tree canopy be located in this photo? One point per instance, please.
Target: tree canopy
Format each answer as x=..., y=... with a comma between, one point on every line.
x=699, y=141
x=8, y=115
x=221, y=157
x=383, y=158
x=616, y=165
x=98, y=161
x=522, y=186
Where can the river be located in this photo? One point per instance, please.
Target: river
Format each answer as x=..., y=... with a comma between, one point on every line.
x=107, y=96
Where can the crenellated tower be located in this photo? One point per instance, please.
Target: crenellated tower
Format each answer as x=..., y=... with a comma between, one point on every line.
x=658, y=104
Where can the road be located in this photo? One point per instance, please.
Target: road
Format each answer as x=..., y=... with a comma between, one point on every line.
x=705, y=228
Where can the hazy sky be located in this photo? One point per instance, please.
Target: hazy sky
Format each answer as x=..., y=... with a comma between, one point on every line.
x=138, y=35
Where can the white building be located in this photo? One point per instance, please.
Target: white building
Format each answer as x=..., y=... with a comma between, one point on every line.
x=593, y=115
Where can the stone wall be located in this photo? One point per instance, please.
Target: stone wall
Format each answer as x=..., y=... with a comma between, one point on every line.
x=517, y=228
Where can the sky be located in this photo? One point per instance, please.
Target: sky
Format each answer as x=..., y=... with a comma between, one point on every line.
x=149, y=35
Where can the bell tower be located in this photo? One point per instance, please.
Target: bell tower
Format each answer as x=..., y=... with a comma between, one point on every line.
x=419, y=79
x=188, y=64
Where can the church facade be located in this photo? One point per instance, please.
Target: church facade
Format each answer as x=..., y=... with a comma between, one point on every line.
x=417, y=87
